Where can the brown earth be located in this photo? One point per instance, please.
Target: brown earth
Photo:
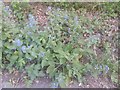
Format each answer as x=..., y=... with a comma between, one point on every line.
x=15, y=80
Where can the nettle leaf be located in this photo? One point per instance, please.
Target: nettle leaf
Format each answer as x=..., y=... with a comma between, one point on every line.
x=0, y=43
x=44, y=41
x=36, y=72
x=48, y=55
x=28, y=56
x=67, y=56
x=62, y=61
x=44, y=63
x=21, y=62
x=77, y=51
x=42, y=49
x=88, y=66
x=37, y=66
x=34, y=54
x=14, y=57
x=76, y=64
x=53, y=43
x=59, y=50
x=70, y=73
x=61, y=80
x=68, y=47
x=79, y=76
x=90, y=51
x=50, y=69
x=114, y=77
x=41, y=74
x=16, y=53
x=9, y=46
x=32, y=72
x=52, y=62
x=4, y=36
x=67, y=80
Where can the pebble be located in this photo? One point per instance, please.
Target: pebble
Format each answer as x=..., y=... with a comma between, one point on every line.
x=88, y=85
x=71, y=82
x=37, y=81
x=80, y=84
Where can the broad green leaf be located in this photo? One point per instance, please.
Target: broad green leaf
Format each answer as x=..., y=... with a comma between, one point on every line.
x=114, y=78
x=9, y=46
x=33, y=54
x=67, y=80
x=68, y=47
x=61, y=80
x=21, y=62
x=13, y=57
x=70, y=73
x=37, y=67
x=50, y=69
x=67, y=56
x=36, y=72
x=79, y=77
x=41, y=74
x=44, y=63
x=52, y=62
x=28, y=56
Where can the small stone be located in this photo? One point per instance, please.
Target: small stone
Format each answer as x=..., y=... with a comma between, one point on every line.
x=16, y=73
x=71, y=82
x=37, y=81
x=87, y=85
x=80, y=84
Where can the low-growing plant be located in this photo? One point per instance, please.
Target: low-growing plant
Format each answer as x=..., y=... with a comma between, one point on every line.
x=110, y=8
x=71, y=5
x=20, y=11
x=61, y=50
x=0, y=52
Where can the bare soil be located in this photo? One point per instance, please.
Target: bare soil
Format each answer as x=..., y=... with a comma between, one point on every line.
x=16, y=80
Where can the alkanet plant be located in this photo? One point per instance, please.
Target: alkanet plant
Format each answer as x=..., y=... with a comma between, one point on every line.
x=60, y=50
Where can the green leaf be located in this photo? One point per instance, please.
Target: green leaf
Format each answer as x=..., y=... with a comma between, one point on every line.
x=51, y=62
x=37, y=67
x=50, y=69
x=44, y=63
x=114, y=77
x=68, y=47
x=41, y=74
x=21, y=62
x=67, y=56
x=61, y=80
x=76, y=64
x=36, y=72
x=67, y=80
x=28, y=56
x=90, y=51
x=79, y=76
x=13, y=57
x=70, y=73
x=9, y=46
x=33, y=54
x=62, y=61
